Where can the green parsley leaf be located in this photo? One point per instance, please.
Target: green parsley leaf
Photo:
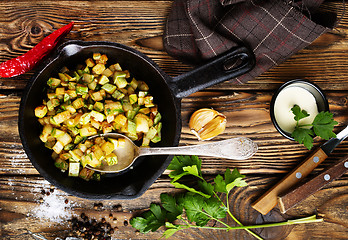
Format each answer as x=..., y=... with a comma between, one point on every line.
x=193, y=204
x=206, y=187
x=323, y=125
x=151, y=220
x=179, y=163
x=299, y=114
x=231, y=180
x=213, y=207
x=303, y=135
x=193, y=170
x=169, y=204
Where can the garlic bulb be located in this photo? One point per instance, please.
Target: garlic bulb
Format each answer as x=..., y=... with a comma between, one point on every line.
x=207, y=123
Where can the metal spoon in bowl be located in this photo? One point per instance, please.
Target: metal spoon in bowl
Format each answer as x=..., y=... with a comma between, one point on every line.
x=235, y=148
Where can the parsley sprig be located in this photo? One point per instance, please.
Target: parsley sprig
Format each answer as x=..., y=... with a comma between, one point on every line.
x=198, y=206
x=321, y=126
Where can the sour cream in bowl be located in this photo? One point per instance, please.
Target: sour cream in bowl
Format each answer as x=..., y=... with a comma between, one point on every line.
x=302, y=93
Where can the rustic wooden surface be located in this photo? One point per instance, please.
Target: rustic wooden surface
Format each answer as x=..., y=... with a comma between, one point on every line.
x=139, y=24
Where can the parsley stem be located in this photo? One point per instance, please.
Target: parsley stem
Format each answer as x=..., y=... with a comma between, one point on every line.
x=227, y=206
x=311, y=219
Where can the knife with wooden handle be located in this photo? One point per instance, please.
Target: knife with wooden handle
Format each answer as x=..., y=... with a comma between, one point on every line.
x=300, y=193
x=270, y=199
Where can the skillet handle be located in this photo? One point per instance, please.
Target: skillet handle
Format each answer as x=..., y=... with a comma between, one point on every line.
x=232, y=64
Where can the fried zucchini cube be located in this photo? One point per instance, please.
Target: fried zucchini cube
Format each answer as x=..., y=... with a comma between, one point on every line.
x=41, y=111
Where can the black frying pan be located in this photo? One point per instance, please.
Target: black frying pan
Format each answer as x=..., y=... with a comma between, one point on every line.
x=167, y=94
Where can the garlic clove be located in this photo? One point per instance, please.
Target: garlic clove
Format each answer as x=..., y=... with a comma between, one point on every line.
x=201, y=117
x=207, y=123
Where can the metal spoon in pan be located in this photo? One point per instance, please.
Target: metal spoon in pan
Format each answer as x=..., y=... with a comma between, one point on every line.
x=235, y=148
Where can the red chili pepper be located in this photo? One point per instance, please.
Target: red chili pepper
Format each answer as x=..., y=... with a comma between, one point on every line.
x=27, y=61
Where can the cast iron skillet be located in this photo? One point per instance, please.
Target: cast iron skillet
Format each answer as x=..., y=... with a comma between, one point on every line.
x=167, y=94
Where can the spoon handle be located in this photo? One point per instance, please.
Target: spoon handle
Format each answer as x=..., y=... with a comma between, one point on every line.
x=235, y=148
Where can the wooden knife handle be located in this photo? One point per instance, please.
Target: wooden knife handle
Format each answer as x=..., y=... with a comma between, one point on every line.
x=269, y=200
x=300, y=193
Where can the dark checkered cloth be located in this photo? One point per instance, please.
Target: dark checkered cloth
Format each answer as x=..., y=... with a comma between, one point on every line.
x=274, y=29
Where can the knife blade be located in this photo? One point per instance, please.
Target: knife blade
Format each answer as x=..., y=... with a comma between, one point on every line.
x=270, y=199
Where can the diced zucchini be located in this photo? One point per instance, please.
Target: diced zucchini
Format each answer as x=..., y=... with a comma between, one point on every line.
x=92, y=160
x=89, y=62
x=61, y=117
x=58, y=147
x=65, y=139
x=132, y=128
x=97, y=116
x=78, y=139
x=157, y=138
x=95, y=123
x=87, y=131
x=86, y=173
x=134, y=83
x=96, y=56
x=106, y=127
x=148, y=100
x=46, y=131
x=96, y=96
x=70, y=108
x=73, y=131
x=151, y=133
x=142, y=123
x=158, y=118
x=98, y=69
x=87, y=78
x=103, y=80
x=143, y=86
x=72, y=93
x=85, y=118
x=61, y=164
x=92, y=85
x=98, y=106
x=56, y=132
x=41, y=111
x=53, y=82
x=81, y=89
x=113, y=108
x=68, y=147
x=78, y=103
x=116, y=67
x=74, y=169
x=60, y=91
x=127, y=106
x=109, y=88
x=111, y=159
x=107, y=147
x=107, y=72
x=52, y=103
x=76, y=154
x=144, y=110
x=120, y=121
x=133, y=98
x=120, y=79
x=118, y=95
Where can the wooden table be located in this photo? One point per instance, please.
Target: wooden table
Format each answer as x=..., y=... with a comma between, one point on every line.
x=139, y=24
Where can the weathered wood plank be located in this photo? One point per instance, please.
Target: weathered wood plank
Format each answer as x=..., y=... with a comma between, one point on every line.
x=21, y=197
x=276, y=154
x=99, y=20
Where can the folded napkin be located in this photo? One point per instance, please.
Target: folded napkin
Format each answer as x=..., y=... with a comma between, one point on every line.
x=198, y=30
